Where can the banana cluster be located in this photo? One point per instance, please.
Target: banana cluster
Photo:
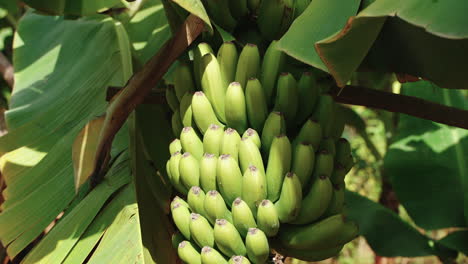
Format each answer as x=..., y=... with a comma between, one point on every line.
x=259, y=159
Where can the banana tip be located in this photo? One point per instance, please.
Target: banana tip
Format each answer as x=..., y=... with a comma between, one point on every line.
x=221, y=222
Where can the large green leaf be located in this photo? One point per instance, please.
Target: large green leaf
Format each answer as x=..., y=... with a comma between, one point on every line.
x=457, y=240
x=385, y=231
x=72, y=7
x=195, y=7
x=60, y=84
x=427, y=163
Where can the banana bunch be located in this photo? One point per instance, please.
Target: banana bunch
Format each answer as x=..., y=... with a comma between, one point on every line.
x=258, y=158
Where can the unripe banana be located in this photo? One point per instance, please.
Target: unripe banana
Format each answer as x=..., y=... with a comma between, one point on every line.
x=176, y=123
x=250, y=155
x=242, y=217
x=253, y=5
x=228, y=56
x=176, y=238
x=203, y=113
x=212, y=139
x=185, y=110
x=273, y=17
x=188, y=253
x=329, y=232
x=196, y=200
x=289, y=202
x=215, y=207
x=189, y=170
x=343, y=151
x=213, y=84
x=303, y=162
x=316, y=202
x=349, y=164
x=257, y=109
x=230, y=143
x=238, y=8
x=337, y=200
x=338, y=174
x=248, y=65
x=191, y=142
x=254, y=188
x=339, y=122
x=201, y=50
x=257, y=246
x=274, y=126
x=201, y=230
x=209, y=255
x=310, y=255
x=287, y=97
x=171, y=98
x=324, y=113
x=229, y=178
x=324, y=164
x=181, y=217
x=279, y=163
x=175, y=146
x=179, y=200
x=183, y=81
x=309, y=93
x=227, y=239
x=328, y=144
x=175, y=173
x=235, y=108
x=239, y=260
x=208, y=172
x=253, y=135
x=267, y=218
x=273, y=64
x=220, y=12
x=311, y=132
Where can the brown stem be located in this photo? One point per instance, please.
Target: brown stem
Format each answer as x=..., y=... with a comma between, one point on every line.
x=6, y=69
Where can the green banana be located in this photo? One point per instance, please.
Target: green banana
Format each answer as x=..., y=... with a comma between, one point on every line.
x=181, y=217
x=188, y=253
x=212, y=139
x=191, y=142
x=203, y=113
x=208, y=172
x=185, y=110
x=274, y=18
x=287, y=97
x=303, y=162
x=289, y=202
x=253, y=135
x=215, y=207
x=179, y=200
x=343, y=151
x=189, y=170
x=339, y=122
x=201, y=231
x=316, y=202
x=249, y=155
x=308, y=95
x=337, y=200
x=324, y=164
x=274, y=126
x=230, y=143
x=310, y=255
x=254, y=187
x=228, y=178
x=239, y=8
x=235, y=108
x=328, y=144
x=196, y=200
x=349, y=164
x=267, y=218
x=257, y=246
x=273, y=64
x=175, y=173
x=227, y=239
x=171, y=98
x=209, y=255
x=338, y=174
x=201, y=50
x=176, y=238
x=228, y=57
x=279, y=163
x=213, y=84
x=310, y=132
x=248, y=65
x=220, y=12
x=253, y=5
x=176, y=123
x=183, y=81
x=329, y=232
x=324, y=114
x=175, y=146
x=239, y=260
x=242, y=217
x=257, y=109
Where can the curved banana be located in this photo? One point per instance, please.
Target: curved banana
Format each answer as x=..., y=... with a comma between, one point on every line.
x=198, y=52
x=303, y=162
x=257, y=109
x=220, y=12
x=185, y=110
x=179, y=200
x=343, y=151
x=189, y=170
x=230, y=144
x=338, y=174
x=274, y=18
x=324, y=114
x=228, y=56
x=212, y=139
x=253, y=5
x=188, y=253
x=339, y=122
x=253, y=135
x=235, y=108
x=183, y=81
x=208, y=172
x=310, y=132
x=239, y=8
x=175, y=173
x=213, y=84
x=257, y=246
x=273, y=64
x=287, y=97
x=267, y=218
x=191, y=142
x=242, y=217
x=248, y=65
x=229, y=178
x=328, y=144
x=176, y=239
x=215, y=207
x=175, y=146
x=171, y=98
x=239, y=260
x=254, y=188
x=176, y=123
x=181, y=217
x=203, y=113
x=279, y=163
x=196, y=200
x=337, y=200
x=209, y=255
x=201, y=231
x=250, y=155
x=324, y=164
x=274, y=126
x=290, y=200
x=227, y=239
x=309, y=93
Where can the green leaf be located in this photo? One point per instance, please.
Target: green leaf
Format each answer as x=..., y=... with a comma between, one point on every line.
x=320, y=20
x=196, y=7
x=427, y=163
x=457, y=240
x=386, y=232
x=225, y=36
x=72, y=7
